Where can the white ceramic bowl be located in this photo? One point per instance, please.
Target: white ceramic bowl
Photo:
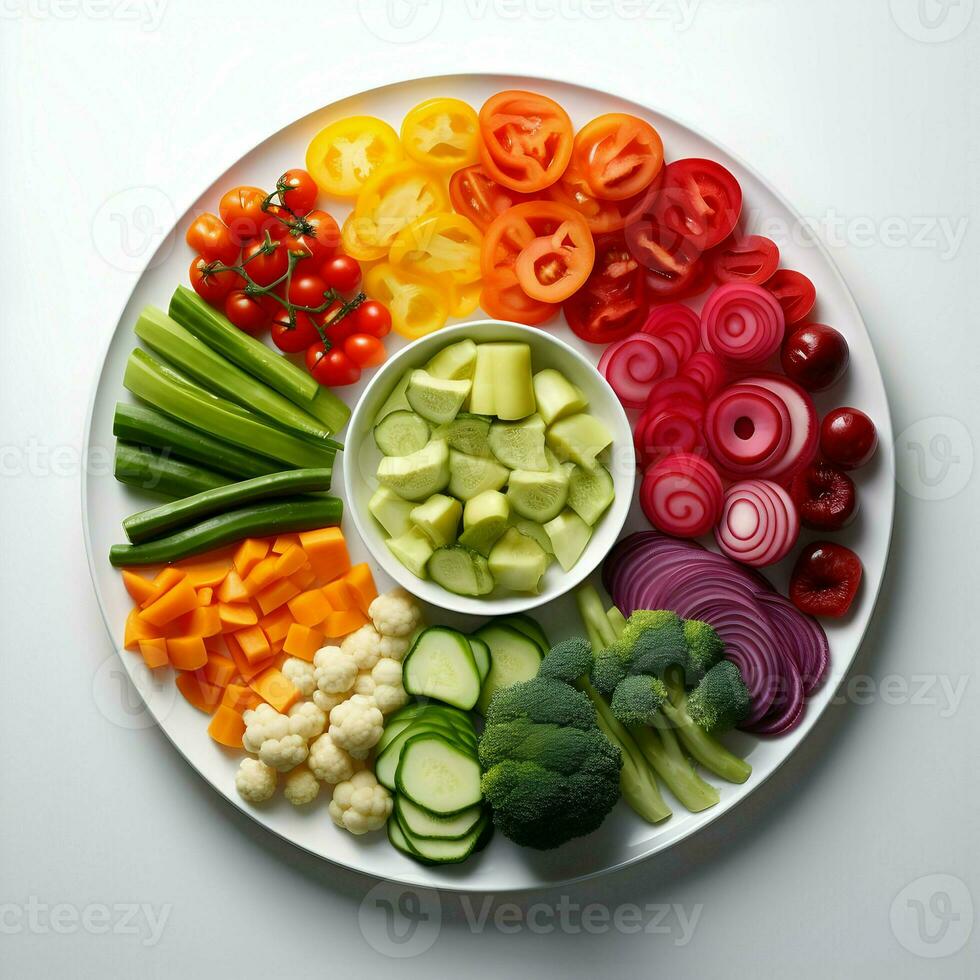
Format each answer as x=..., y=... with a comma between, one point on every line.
x=361, y=457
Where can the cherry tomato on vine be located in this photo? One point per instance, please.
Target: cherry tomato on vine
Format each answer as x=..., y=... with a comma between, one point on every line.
x=241, y=210
x=296, y=338
x=364, y=350
x=306, y=288
x=248, y=313
x=337, y=331
x=321, y=242
x=341, y=273
x=332, y=368
x=372, y=318
x=265, y=263
x=212, y=287
x=301, y=194
x=210, y=238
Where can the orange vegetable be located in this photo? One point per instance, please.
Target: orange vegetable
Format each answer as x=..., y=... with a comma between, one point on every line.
x=261, y=575
x=309, y=608
x=284, y=542
x=173, y=603
x=291, y=561
x=203, y=621
x=204, y=696
x=232, y=589
x=205, y=596
x=219, y=670
x=327, y=551
x=342, y=623
x=304, y=578
x=360, y=581
x=240, y=698
x=275, y=688
x=276, y=595
x=227, y=727
x=208, y=571
x=236, y=615
x=154, y=652
x=165, y=581
x=254, y=643
x=250, y=552
x=138, y=629
x=139, y=588
x=339, y=595
x=187, y=652
x=245, y=668
x=276, y=624
x=302, y=641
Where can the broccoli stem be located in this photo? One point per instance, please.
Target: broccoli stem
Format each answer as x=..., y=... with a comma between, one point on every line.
x=597, y=623
x=705, y=749
x=673, y=768
x=616, y=619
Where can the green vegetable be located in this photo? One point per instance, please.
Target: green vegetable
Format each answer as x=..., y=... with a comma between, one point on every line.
x=466, y=433
x=517, y=562
x=391, y=511
x=519, y=445
x=436, y=399
x=147, y=470
x=418, y=475
x=145, y=426
x=440, y=665
x=556, y=396
x=651, y=642
x=460, y=570
x=281, y=517
x=167, y=390
x=470, y=476
x=455, y=362
x=590, y=492
x=438, y=518
x=437, y=775
x=579, y=438
x=569, y=536
x=401, y=433
x=514, y=656
x=279, y=373
x=413, y=549
x=721, y=699
x=153, y=523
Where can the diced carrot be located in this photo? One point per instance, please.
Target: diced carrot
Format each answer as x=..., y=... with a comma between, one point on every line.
x=254, y=643
x=250, y=552
x=162, y=584
x=209, y=571
x=219, y=670
x=342, y=623
x=204, y=696
x=291, y=561
x=302, y=641
x=139, y=588
x=205, y=596
x=236, y=615
x=232, y=589
x=240, y=698
x=173, y=603
x=204, y=621
x=246, y=669
x=187, y=652
x=138, y=629
x=276, y=595
x=274, y=687
x=154, y=652
x=304, y=578
x=327, y=551
x=340, y=596
x=276, y=624
x=284, y=542
x=360, y=581
x=227, y=727
x=309, y=608
x=261, y=575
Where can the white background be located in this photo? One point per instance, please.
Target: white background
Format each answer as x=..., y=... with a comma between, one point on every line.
x=865, y=116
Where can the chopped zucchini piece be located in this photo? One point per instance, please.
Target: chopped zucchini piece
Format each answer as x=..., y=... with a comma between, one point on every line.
x=517, y=562
x=461, y=570
x=519, y=445
x=557, y=396
x=438, y=518
x=391, y=511
x=467, y=433
x=413, y=550
x=569, y=535
x=590, y=492
x=396, y=401
x=484, y=520
x=401, y=433
x=470, y=475
x=538, y=496
x=579, y=438
x=455, y=362
x=436, y=399
x=418, y=475
x=533, y=530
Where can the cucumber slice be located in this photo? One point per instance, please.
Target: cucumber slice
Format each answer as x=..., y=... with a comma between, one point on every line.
x=579, y=438
x=398, y=840
x=455, y=362
x=441, y=716
x=514, y=657
x=481, y=654
x=412, y=549
x=436, y=399
x=467, y=433
x=390, y=511
x=396, y=401
x=529, y=627
x=569, y=535
x=417, y=708
x=533, y=530
x=440, y=665
x=484, y=520
x=519, y=445
x=438, y=518
x=538, y=496
x=400, y=433
x=421, y=823
x=472, y=475
x=418, y=475
x=517, y=562
x=447, y=851
x=590, y=492
x=556, y=396
x=461, y=570
x=438, y=776
x=386, y=763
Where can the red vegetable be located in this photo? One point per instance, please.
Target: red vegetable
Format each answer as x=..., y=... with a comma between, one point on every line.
x=825, y=579
x=633, y=365
x=759, y=524
x=661, y=432
x=824, y=496
x=679, y=394
x=748, y=430
x=750, y=258
x=679, y=325
x=848, y=438
x=814, y=356
x=706, y=371
x=794, y=293
x=682, y=495
x=742, y=324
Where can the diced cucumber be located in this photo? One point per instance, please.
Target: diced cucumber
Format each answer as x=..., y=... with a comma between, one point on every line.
x=440, y=665
x=484, y=520
x=472, y=475
x=533, y=530
x=556, y=396
x=438, y=518
x=517, y=562
x=438, y=776
x=481, y=394
x=413, y=549
x=481, y=654
x=428, y=851
x=569, y=535
x=455, y=362
x=467, y=433
x=538, y=496
x=502, y=384
x=519, y=445
x=401, y=433
x=396, y=401
x=421, y=823
x=386, y=763
x=579, y=438
x=436, y=399
x=418, y=475
x=461, y=570
x=514, y=657
x=590, y=492
x=391, y=511
x=531, y=628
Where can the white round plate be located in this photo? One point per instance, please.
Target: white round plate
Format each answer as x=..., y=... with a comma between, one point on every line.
x=623, y=838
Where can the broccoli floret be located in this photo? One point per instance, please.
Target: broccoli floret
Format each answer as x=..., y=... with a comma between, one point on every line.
x=704, y=646
x=721, y=700
x=544, y=700
x=655, y=639
x=609, y=667
x=638, y=699
x=563, y=750
x=568, y=660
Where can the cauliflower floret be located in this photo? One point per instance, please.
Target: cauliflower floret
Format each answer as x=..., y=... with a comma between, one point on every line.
x=302, y=674
x=389, y=694
x=394, y=647
x=301, y=786
x=329, y=762
x=395, y=613
x=364, y=684
x=356, y=725
x=360, y=804
x=263, y=724
x=284, y=753
x=364, y=646
x=306, y=720
x=327, y=702
x=255, y=781
x=334, y=670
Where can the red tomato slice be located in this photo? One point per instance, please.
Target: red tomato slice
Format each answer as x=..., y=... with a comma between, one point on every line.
x=750, y=258
x=554, y=266
x=511, y=232
x=527, y=140
x=573, y=191
x=672, y=259
x=503, y=299
x=795, y=293
x=619, y=154
x=477, y=196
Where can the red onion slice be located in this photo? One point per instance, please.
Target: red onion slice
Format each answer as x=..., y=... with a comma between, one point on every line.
x=748, y=429
x=743, y=324
x=661, y=433
x=807, y=642
x=804, y=426
x=682, y=495
x=759, y=523
x=634, y=364
x=679, y=325
x=706, y=371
